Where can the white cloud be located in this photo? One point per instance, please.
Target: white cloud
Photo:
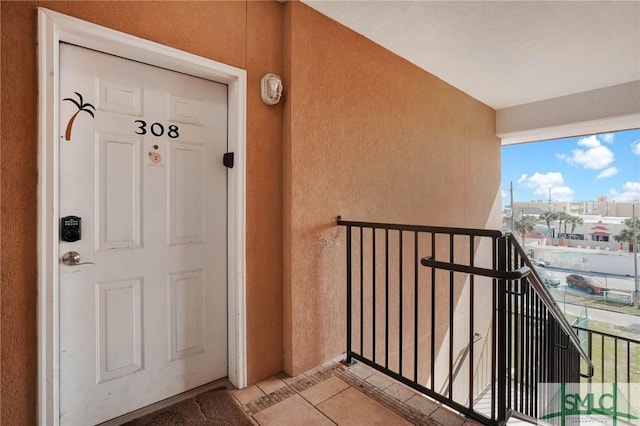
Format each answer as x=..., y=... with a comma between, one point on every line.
x=522, y=178
x=562, y=193
x=631, y=192
x=611, y=171
x=608, y=137
x=590, y=142
x=635, y=147
x=560, y=156
x=549, y=183
x=595, y=157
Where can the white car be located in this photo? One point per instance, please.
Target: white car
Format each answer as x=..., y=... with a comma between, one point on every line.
x=548, y=278
x=537, y=262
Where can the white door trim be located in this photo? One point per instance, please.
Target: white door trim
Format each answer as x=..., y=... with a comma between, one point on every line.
x=53, y=28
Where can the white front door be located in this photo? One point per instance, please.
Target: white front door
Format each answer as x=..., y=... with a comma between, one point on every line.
x=143, y=316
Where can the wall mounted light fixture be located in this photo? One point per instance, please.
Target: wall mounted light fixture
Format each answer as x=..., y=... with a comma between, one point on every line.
x=271, y=89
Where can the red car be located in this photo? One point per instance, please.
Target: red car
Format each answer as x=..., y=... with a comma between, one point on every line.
x=589, y=284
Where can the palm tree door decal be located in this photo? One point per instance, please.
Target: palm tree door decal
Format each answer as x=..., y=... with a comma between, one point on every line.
x=82, y=106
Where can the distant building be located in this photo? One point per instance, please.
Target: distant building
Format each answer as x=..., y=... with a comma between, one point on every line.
x=600, y=232
x=602, y=221
x=600, y=207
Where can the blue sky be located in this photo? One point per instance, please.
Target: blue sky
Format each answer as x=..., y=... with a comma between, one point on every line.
x=574, y=169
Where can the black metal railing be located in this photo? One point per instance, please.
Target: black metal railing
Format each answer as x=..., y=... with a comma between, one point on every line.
x=541, y=345
x=473, y=327
x=616, y=358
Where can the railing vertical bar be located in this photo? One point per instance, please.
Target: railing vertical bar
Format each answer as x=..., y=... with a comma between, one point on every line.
x=520, y=340
x=451, y=308
x=502, y=338
x=590, y=349
x=515, y=355
x=523, y=345
x=615, y=360
x=400, y=297
x=494, y=324
x=415, y=306
x=532, y=347
x=536, y=351
x=550, y=349
x=510, y=342
x=361, y=290
x=527, y=344
x=386, y=299
x=516, y=379
x=471, y=319
x=373, y=294
x=628, y=362
x=433, y=314
x=545, y=346
x=541, y=354
x=349, y=302
x=602, y=359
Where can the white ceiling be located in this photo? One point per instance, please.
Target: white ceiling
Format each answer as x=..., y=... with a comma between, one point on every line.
x=505, y=53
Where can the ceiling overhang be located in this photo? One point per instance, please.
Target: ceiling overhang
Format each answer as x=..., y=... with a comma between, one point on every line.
x=549, y=68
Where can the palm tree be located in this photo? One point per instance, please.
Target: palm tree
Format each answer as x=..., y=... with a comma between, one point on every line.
x=562, y=217
x=549, y=217
x=627, y=235
x=574, y=221
x=82, y=106
x=525, y=225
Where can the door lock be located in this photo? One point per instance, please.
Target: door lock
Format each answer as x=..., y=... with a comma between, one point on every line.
x=70, y=228
x=72, y=258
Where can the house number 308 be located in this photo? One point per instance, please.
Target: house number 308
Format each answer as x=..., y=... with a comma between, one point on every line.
x=157, y=129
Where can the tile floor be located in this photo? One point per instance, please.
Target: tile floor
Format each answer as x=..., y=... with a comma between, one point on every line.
x=334, y=394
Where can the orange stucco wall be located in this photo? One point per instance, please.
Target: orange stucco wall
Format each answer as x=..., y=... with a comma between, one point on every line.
x=360, y=132
x=370, y=137
x=245, y=35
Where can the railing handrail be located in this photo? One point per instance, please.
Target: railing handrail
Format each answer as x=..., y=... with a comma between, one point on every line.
x=602, y=333
x=475, y=270
x=422, y=228
x=552, y=306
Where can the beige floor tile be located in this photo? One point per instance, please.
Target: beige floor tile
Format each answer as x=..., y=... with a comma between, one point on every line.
x=271, y=384
x=287, y=378
x=380, y=381
x=292, y=411
x=423, y=404
x=351, y=407
x=336, y=360
x=248, y=394
x=362, y=370
x=399, y=392
x=324, y=390
x=314, y=370
x=447, y=417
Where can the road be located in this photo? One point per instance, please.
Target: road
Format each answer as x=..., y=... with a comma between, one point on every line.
x=615, y=282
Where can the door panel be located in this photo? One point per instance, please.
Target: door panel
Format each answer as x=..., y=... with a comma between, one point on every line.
x=145, y=318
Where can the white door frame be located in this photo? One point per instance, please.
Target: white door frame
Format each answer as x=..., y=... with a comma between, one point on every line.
x=53, y=28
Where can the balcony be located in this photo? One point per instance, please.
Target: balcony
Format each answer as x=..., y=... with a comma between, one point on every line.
x=445, y=326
